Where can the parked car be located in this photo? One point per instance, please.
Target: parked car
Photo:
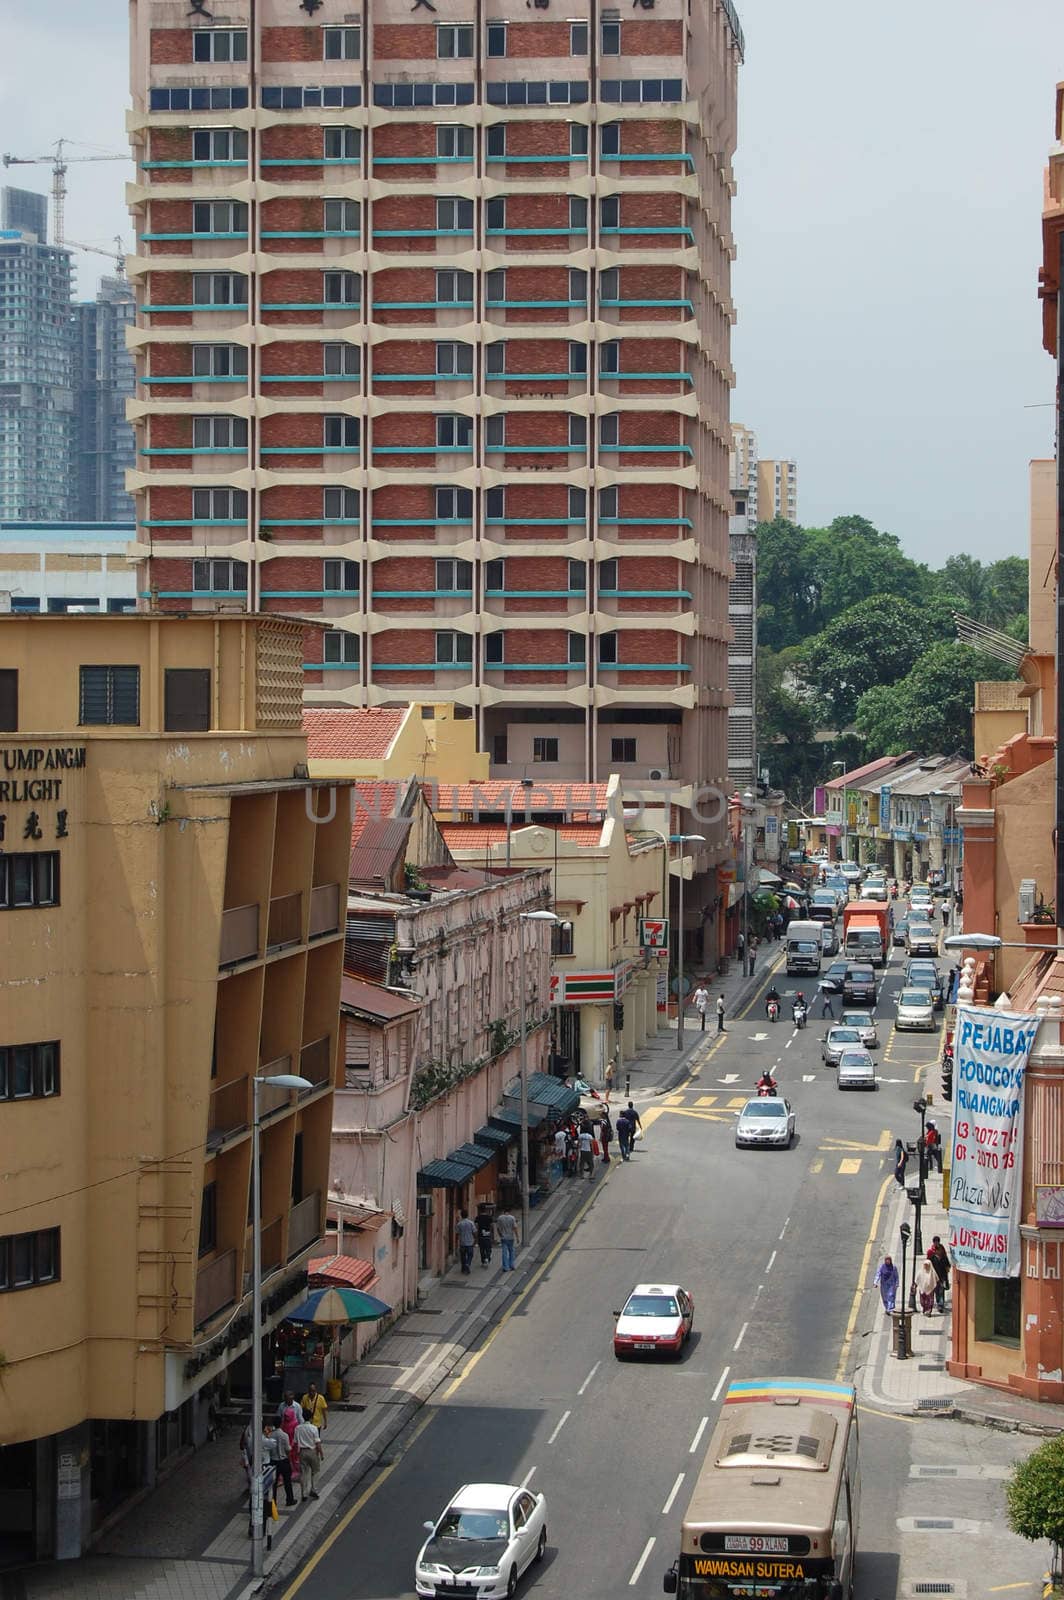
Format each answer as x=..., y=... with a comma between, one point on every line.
x=859, y=985
x=865, y=1024
x=836, y=1041
x=656, y=1319
x=857, y=1070
x=915, y=1010
x=770, y=1121
x=921, y=939
x=487, y=1536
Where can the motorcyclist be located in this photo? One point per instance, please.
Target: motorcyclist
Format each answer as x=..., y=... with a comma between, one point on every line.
x=766, y=1084
x=799, y=1009
x=772, y=995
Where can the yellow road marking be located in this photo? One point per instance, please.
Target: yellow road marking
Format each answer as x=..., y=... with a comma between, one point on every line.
x=874, y=1411
x=999, y=1588
x=707, y=1099
x=738, y=1100
x=688, y=1111
x=831, y=1143
x=862, y=1278
x=816, y=1166
x=849, y=1165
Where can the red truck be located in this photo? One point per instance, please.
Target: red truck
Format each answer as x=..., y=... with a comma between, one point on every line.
x=865, y=932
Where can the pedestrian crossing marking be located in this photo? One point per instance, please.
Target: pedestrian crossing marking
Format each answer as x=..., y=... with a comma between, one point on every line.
x=849, y=1165
x=816, y=1166
x=707, y=1099
x=738, y=1100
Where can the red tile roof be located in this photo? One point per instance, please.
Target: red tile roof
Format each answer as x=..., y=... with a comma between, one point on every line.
x=374, y=801
x=348, y=1271
x=351, y=735
x=575, y=799
x=480, y=835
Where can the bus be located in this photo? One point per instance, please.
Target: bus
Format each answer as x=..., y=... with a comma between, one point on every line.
x=774, y=1510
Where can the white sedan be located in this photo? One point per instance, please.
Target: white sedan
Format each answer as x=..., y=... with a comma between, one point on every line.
x=485, y=1539
x=768, y=1121
x=865, y=1024
x=915, y=1010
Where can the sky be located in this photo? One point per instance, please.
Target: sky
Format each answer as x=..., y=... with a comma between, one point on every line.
x=888, y=228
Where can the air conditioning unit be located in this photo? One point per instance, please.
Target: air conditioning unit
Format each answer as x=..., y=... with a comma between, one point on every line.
x=425, y=1206
x=658, y=774
x=1026, y=899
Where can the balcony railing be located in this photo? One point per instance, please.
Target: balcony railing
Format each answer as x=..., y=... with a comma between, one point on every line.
x=240, y=935
x=215, y=1287
x=315, y=1062
x=227, y=1112
x=272, y=1252
x=285, y=925
x=270, y=1097
x=324, y=910
x=304, y=1224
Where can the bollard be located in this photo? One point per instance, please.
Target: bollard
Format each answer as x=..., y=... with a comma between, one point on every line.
x=627, y=1084
x=903, y=1323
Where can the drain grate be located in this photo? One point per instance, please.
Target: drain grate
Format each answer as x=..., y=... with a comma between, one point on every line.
x=931, y=1366
x=932, y=1588
x=935, y=1403
x=933, y=1522
x=934, y=1472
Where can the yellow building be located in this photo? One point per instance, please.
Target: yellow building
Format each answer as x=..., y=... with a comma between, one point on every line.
x=436, y=743
x=172, y=888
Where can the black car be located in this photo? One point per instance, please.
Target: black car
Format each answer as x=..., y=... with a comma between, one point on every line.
x=836, y=975
x=901, y=928
x=859, y=985
x=921, y=973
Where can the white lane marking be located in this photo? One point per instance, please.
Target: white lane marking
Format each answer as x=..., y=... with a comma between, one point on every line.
x=783, y=1230
x=527, y=1479
x=742, y=1332
x=757, y=1038
x=790, y=1041
x=757, y=1296
x=731, y=1077
x=641, y=1563
x=808, y=1077
x=565, y=1418
x=589, y=1377
x=702, y=1426
x=673, y=1492
x=720, y=1383
x=771, y=1262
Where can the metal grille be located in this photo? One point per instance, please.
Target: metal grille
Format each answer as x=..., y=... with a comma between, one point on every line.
x=935, y=1403
x=933, y=1588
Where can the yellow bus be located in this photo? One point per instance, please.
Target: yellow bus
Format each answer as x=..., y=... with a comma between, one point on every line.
x=774, y=1511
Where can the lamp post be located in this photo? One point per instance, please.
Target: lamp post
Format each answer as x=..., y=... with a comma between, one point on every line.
x=840, y=766
x=920, y=1107
x=749, y=802
x=525, y=916
x=682, y=839
x=279, y=1080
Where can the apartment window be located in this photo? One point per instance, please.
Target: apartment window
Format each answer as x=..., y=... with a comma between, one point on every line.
x=609, y=358
x=577, y=652
x=187, y=700
x=607, y=576
x=578, y=142
x=219, y=505
x=341, y=216
x=454, y=360
x=342, y=288
x=607, y=649
x=454, y=215
x=495, y=574
x=340, y=577
x=342, y=144
x=454, y=505
x=219, y=433
x=495, y=212
x=496, y=38
x=454, y=41
x=219, y=216
x=607, y=509
x=219, y=289
x=611, y=139
x=494, y=644
x=340, y=646
x=454, y=432
x=544, y=749
x=454, y=288
x=340, y=432
x=219, y=577
x=341, y=360
x=453, y=142
x=110, y=696
x=577, y=360
x=495, y=286
x=208, y=1223
x=610, y=211
x=8, y=700
x=454, y=577
x=578, y=284
x=219, y=44
x=577, y=432
x=500, y=749
x=609, y=285
x=496, y=137
x=219, y=144
x=577, y=213
x=578, y=38
x=341, y=44
x=219, y=361
x=340, y=504
x=611, y=39
x=29, y=878
x=495, y=503
x=577, y=577
x=561, y=939
x=29, y=1071
x=610, y=430
x=29, y=1259
x=577, y=504
x=622, y=751
x=454, y=649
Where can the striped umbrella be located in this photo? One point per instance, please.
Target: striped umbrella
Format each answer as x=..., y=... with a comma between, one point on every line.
x=332, y=1306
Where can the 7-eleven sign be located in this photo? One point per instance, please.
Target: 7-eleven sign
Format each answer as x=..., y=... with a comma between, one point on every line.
x=654, y=933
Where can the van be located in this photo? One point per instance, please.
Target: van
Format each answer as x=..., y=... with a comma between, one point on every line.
x=823, y=906
x=804, y=947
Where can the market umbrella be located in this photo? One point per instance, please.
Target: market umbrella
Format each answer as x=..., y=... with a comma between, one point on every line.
x=339, y=1306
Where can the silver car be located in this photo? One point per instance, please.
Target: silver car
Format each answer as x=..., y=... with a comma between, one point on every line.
x=921, y=939
x=857, y=1070
x=865, y=1024
x=836, y=1040
x=915, y=1010
x=769, y=1121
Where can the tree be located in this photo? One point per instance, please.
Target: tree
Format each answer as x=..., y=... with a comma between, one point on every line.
x=1034, y=1495
x=1008, y=579
x=853, y=560
x=930, y=709
x=874, y=642
x=787, y=593
x=967, y=578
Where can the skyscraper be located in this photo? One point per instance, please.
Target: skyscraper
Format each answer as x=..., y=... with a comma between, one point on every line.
x=103, y=380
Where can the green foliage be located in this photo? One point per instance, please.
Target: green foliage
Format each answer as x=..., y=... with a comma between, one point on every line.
x=874, y=642
x=412, y=877
x=1034, y=1495
x=930, y=709
x=436, y=1078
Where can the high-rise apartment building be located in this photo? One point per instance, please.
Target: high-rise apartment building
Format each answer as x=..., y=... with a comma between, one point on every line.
x=742, y=651
x=36, y=364
x=777, y=490
x=103, y=381
x=743, y=473
x=434, y=343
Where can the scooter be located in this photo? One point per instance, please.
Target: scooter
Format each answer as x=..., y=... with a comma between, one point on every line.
x=766, y=1091
x=799, y=1015
x=773, y=1008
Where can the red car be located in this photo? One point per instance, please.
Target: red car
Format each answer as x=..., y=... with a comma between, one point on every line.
x=656, y=1319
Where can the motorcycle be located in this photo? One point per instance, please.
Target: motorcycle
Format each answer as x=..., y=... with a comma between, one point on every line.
x=773, y=1009
x=799, y=1015
x=766, y=1091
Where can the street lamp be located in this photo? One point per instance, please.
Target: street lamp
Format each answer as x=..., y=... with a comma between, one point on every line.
x=749, y=802
x=989, y=942
x=681, y=839
x=277, y=1080
x=525, y=916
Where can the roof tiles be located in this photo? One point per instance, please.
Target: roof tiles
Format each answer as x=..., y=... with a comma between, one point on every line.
x=351, y=735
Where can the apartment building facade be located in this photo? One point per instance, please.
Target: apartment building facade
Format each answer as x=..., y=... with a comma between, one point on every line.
x=103, y=383
x=434, y=343
x=777, y=490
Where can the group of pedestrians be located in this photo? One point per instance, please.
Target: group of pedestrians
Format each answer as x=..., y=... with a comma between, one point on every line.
x=700, y=1001
x=291, y=1452
x=930, y=1282
x=481, y=1233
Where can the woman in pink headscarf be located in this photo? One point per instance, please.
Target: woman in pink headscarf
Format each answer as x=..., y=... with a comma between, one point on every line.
x=289, y=1418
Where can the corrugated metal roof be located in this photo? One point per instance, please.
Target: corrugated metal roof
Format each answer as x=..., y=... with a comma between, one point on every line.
x=549, y=1091
x=846, y=780
x=348, y=1271
x=575, y=799
x=370, y=1000
x=444, y=1175
x=375, y=856
x=505, y=1117
x=374, y=802
x=474, y=1156
x=494, y=1138
x=351, y=735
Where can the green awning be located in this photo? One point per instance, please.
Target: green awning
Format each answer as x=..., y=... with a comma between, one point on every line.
x=444, y=1175
x=473, y=1156
x=494, y=1138
x=505, y=1117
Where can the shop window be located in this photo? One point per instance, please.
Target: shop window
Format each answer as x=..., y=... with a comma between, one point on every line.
x=997, y=1310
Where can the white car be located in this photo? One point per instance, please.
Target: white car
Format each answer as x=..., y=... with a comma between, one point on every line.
x=488, y=1535
x=656, y=1319
x=857, y=1070
x=769, y=1121
x=915, y=1010
x=874, y=889
x=865, y=1024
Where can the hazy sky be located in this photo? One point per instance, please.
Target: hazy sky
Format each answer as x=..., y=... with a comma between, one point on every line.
x=890, y=181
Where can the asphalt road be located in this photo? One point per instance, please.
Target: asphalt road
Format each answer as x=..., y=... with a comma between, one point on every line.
x=771, y=1244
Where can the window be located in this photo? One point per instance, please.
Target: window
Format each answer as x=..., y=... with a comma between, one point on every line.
x=187, y=700
x=454, y=41
x=607, y=576
x=495, y=212
x=633, y=91
x=610, y=430
x=110, y=696
x=578, y=145
x=208, y=1222
x=188, y=99
x=453, y=142
x=219, y=505
x=609, y=358
x=578, y=213
x=8, y=700
x=611, y=39
x=341, y=360
x=577, y=504
x=496, y=139
x=495, y=574
x=454, y=288
x=609, y=284
x=453, y=649
x=29, y=1071
x=28, y=1259
x=454, y=432
x=341, y=44
x=577, y=577
x=340, y=505
x=340, y=432
x=29, y=878
x=544, y=749
x=494, y=649
x=607, y=649
x=500, y=749
x=998, y=1310
x=454, y=215
x=219, y=216
x=454, y=505
x=340, y=577
x=219, y=44
x=578, y=285
x=454, y=360
x=577, y=432
x=219, y=289
x=610, y=213
x=608, y=504
x=219, y=361
x=219, y=433
x=611, y=139
x=578, y=38
x=577, y=652
x=561, y=939
x=341, y=216
x=342, y=288
x=496, y=38
x=495, y=430
x=219, y=577
x=400, y=95
x=535, y=92
x=622, y=751
x=219, y=144
x=577, y=360
x=454, y=577
x=495, y=286
x=342, y=144
x=495, y=503
x=340, y=646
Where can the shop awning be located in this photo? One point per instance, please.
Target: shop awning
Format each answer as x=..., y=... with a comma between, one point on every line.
x=474, y=1156
x=505, y=1117
x=444, y=1175
x=548, y=1091
x=494, y=1138
x=348, y=1271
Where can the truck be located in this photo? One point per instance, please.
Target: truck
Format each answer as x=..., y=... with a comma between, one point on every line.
x=865, y=932
x=804, y=947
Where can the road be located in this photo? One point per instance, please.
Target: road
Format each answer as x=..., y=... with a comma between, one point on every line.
x=772, y=1246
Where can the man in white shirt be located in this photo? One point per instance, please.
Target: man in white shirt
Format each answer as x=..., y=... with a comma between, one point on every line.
x=311, y=1455
x=587, y=1152
x=701, y=1003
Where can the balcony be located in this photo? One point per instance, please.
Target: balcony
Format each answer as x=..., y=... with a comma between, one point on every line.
x=227, y=1112
x=285, y=923
x=215, y=1287
x=272, y=1251
x=240, y=935
x=272, y=1098
x=324, y=910
x=315, y=1063
x=304, y=1224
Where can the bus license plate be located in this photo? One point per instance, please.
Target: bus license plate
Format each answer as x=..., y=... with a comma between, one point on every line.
x=753, y=1544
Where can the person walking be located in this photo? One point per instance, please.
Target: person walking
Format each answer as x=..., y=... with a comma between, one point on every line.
x=933, y=1147
x=315, y=1404
x=611, y=1073
x=311, y=1456
x=926, y=1282
x=625, y=1129
x=587, y=1152
x=289, y=1417
x=466, y=1234
x=720, y=1014
x=605, y=1133
x=280, y=1454
x=560, y=1137
x=828, y=990
x=506, y=1228
x=901, y=1161
x=939, y=1259
x=633, y=1117
x=486, y=1233
x=886, y=1281
x=701, y=1003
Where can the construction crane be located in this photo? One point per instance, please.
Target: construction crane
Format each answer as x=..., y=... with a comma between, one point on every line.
x=117, y=255
x=58, y=163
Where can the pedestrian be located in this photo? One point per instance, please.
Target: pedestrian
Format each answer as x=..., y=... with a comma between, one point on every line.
x=315, y=1404
x=587, y=1152
x=281, y=1456
x=945, y=913
x=886, y=1281
x=933, y=1147
x=485, y=1235
x=720, y=1014
x=572, y=1150
x=939, y=1259
x=605, y=1136
x=701, y=1003
x=633, y=1118
x=901, y=1161
x=289, y=1417
x=624, y=1135
x=926, y=1282
x=559, y=1144
x=311, y=1456
x=611, y=1073
x=466, y=1234
x=951, y=979
x=740, y=943
x=828, y=990
x=506, y=1228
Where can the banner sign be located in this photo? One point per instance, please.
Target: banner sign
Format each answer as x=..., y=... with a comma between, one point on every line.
x=654, y=933
x=991, y=1051
x=582, y=988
